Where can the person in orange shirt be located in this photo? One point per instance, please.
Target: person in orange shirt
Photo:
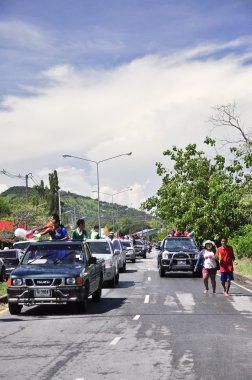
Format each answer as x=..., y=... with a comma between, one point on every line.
x=226, y=257
x=47, y=227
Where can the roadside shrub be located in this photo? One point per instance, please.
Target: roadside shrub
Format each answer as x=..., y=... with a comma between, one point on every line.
x=242, y=242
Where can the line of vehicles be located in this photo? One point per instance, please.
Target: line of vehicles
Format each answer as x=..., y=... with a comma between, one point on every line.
x=64, y=272
x=68, y=272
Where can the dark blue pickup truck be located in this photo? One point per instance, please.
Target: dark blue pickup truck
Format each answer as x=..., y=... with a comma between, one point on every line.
x=55, y=272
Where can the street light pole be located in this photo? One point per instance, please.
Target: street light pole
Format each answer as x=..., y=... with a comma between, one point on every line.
x=59, y=204
x=112, y=197
x=97, y=173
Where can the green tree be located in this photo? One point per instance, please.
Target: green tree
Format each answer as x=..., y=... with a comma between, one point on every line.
x=53, y=195
x=200, y=193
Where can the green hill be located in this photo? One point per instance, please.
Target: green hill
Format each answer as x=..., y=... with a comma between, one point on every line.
x=73, y=207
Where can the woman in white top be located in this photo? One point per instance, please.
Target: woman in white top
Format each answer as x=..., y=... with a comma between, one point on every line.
x=207, y=260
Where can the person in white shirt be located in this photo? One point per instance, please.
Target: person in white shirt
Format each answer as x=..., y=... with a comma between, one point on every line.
x=207, y=261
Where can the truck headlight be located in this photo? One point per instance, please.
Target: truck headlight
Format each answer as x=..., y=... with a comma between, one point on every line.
x=17, y=281
x=165, y=255
x=71, y=281
x=75, y=281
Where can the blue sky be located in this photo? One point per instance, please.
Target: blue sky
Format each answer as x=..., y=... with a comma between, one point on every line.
x=121, y=76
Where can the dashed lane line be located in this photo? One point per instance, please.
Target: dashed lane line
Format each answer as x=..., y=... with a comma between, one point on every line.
x=147, y=298
x=136, y=317
x=149, y=278
x=115, y=340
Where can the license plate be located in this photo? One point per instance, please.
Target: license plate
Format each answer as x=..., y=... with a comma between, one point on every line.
x=181, y=262
x=43, y=293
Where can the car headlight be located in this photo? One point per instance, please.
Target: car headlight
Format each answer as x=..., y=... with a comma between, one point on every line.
x=165, y=255
x=17, y=281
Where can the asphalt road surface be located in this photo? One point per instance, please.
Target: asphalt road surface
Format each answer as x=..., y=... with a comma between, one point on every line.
x=146, y=328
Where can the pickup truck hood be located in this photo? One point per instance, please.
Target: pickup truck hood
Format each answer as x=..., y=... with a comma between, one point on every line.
x=33, y=270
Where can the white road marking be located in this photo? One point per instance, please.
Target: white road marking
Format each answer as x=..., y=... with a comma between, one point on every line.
x=243, y=287
x=187, y=301
x=115, y=340
x=80, y=378
x=147, y=298
x=149, y=278
x=136, y=317
x=242, y=304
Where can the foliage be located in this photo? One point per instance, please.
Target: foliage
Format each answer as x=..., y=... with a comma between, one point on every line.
x=4, y=208
x=200, y=193
x=73, y=207
x=3, y=289
x=53, y=194
x=242, y=242
x=244, y=267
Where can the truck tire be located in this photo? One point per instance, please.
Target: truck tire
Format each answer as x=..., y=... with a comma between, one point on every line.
x=82, y=306
x=14, y=308
x=161, y=271
x=96, y=296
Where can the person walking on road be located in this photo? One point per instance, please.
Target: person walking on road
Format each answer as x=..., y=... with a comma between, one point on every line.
x=226, y=257
x=79, y=233
x=207, y=261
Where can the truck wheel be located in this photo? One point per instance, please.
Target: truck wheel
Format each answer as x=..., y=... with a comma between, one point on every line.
x=96, y=296
x=14, y=308
x=161, y=271
x=82, y=306
x=133, y=260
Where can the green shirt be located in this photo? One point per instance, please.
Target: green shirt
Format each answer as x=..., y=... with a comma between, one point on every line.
x=94, y=235
x=75, y=235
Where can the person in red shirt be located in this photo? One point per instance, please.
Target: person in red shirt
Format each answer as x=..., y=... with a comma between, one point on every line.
x=226, y=257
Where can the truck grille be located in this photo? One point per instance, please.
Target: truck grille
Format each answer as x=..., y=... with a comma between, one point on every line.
x=43, y=281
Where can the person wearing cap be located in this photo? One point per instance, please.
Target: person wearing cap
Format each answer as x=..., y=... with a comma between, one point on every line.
x=207, y=261
x=95, y=232
x=79, y=233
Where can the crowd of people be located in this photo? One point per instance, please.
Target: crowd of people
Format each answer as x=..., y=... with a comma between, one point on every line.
x=210, y=258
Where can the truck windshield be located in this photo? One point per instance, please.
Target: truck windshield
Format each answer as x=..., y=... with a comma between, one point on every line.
x=54, y=254
x=178, y=244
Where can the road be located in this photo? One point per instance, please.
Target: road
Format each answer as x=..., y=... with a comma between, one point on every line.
x=146, y=328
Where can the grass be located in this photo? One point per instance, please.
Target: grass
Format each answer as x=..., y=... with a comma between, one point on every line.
x=244, y=267
x=3, y=288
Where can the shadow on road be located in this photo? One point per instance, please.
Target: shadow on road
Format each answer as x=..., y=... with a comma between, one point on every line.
x=47, y=311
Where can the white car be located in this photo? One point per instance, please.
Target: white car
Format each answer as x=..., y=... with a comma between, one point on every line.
x=130, y=250
x=103, y=249
x=117, y=245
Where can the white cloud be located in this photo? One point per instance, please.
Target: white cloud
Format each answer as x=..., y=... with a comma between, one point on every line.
x=145, y=107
